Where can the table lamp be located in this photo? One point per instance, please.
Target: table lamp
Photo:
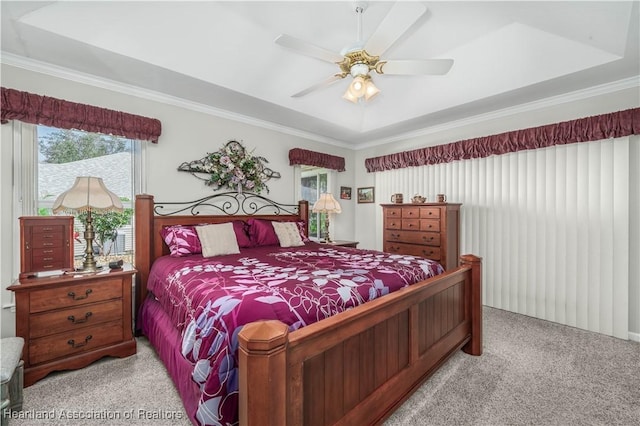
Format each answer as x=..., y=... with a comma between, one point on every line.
x=326, y=204
x=88, y=194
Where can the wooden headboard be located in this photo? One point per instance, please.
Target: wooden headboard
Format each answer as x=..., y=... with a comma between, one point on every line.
x=151, y=216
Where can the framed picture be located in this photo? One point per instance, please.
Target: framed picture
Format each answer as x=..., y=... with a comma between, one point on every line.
x=345, y=193
x=366, y=195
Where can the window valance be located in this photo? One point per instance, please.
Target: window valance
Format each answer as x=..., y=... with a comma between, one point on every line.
x=612, y=125
x=299, y=156
x=37, y=109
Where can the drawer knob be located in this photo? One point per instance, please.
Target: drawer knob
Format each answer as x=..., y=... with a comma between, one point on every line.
x=81, y=344
x=86, y=294
x=79, y=320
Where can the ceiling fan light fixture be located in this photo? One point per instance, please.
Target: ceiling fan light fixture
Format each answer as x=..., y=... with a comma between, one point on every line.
x=348, y=96
x=358, y=87
x=371, y=91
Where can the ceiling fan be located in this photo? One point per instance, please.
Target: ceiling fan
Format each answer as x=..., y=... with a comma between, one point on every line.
x=358, y=59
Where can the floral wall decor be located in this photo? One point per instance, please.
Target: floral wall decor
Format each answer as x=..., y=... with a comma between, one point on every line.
x=232, y=167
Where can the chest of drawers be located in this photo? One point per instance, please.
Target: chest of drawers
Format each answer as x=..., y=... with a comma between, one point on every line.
x=428, y=230
x=46, y=243
x=69, y=321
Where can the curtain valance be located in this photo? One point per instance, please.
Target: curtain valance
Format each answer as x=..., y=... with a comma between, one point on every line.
x=37, y=109
x=612, y=125
x=299, y=156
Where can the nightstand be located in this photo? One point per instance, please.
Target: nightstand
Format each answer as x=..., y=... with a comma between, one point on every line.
x=342, y=243
x=71, y=320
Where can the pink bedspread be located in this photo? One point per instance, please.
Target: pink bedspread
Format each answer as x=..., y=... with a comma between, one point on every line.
x=210, y=299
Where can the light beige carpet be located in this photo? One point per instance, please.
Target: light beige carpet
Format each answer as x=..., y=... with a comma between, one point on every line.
x=532, y=372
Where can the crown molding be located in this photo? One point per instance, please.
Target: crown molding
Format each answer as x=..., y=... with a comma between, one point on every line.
x=103, y=83
x=602, y=89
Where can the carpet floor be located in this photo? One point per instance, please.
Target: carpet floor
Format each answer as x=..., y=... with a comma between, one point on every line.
x=532, y=372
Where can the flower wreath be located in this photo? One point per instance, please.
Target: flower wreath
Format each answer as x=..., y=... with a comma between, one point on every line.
x=232, y=167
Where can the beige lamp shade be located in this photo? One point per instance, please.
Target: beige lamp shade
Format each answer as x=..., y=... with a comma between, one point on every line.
x=88, y=193
x=326, y=204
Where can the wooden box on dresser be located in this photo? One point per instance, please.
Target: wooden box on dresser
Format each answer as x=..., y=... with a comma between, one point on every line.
x=429, y=230
x=69, y=321
x=46, y=243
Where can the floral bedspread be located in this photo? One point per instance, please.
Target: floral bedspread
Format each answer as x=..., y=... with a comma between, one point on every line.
x=210, y=299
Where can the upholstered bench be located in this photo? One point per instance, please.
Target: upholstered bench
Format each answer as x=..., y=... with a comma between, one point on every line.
x=11, y=373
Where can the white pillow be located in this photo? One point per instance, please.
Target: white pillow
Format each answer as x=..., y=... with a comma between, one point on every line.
x=217, y=239
x=288, y=234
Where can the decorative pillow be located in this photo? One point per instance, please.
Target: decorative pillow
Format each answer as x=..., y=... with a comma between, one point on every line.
x=181, y=240
x=261, y=233
x=302, y=227
x=240, y=227
x=288, y=234
x=217, y=239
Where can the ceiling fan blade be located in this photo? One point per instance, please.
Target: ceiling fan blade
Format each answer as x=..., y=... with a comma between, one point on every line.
x=417, y=67
x=307, y=48
x=329, y=81
x=401, y=16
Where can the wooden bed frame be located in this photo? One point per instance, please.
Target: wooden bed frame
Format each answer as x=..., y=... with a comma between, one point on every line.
x=353, y=368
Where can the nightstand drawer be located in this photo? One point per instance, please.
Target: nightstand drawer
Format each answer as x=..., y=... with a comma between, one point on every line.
x=74, y=342
x=74, y=318
x=74, y=295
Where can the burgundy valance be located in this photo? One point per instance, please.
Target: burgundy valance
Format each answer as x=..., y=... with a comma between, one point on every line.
x=311, y=158
x=598, y=127
x=37, y=109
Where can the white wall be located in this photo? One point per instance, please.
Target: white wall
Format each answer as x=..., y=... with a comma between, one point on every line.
x=187, y=135
x=368, y=227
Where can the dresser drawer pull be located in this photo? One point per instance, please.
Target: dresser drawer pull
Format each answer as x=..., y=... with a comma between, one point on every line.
x=427, y=239
x=79, y=345
x=47, y=244
x=427, y=253
x=395, y=235
x=80, y=320
x=86, y=294
x=47, y=251
x=47, y=228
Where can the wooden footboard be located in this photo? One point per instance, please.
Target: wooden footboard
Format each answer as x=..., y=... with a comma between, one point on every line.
x=358, y=366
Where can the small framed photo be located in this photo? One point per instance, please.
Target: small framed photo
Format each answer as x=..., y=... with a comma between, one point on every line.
x=345, y=193
x=366, y=195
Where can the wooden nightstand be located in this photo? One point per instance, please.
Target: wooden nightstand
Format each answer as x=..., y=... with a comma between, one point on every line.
x=343, y=243
x=71, y=320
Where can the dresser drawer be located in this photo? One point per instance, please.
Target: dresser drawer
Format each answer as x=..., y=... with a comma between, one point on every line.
x=428, y=252
x=47, y=263
x=74, y=342
x=74, y=295
x=427, y=238
x=47, y=240
x=410, y=212
x=411, y=224
x=393, y=212
x=431, y=225
x=429, y=212
x=48, y=229
x=74, y=318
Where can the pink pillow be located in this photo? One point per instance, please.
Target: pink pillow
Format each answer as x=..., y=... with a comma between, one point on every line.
x=181, y=240
x=241, y=228
x=261, y=233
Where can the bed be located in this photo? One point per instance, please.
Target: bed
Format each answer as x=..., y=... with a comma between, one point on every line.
x=337, y=361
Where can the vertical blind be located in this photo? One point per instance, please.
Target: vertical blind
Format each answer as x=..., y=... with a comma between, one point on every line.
x=552, y=227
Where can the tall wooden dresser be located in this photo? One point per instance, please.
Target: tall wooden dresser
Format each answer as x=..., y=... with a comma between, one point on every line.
x=428, y=230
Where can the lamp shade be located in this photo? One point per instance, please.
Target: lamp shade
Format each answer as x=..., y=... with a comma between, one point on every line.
x=88, y=193
x=326, y=204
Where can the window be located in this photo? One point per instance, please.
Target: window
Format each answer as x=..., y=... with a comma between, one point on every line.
x=50, y=159
x=313, y=182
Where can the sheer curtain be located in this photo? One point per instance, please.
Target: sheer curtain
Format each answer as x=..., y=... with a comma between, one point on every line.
x=552, y=226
